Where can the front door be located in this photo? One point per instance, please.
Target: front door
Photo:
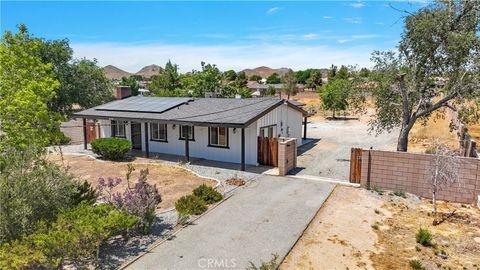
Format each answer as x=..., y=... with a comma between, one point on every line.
x=136, y=135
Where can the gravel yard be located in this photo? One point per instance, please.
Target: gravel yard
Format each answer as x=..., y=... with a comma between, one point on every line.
x=329, y=154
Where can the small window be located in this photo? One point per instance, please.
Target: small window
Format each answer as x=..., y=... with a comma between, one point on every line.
x=186, y=132
x=218, y=136
x=118, y=128
x=158, y=132
x=269, y=131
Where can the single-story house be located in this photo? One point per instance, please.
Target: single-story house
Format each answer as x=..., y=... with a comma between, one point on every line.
x=222, y=129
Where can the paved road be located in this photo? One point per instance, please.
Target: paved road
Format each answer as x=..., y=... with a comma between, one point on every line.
x=329, y=154
x=264, y=218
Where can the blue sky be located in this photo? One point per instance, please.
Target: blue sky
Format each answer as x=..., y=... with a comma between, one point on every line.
x=233, y=35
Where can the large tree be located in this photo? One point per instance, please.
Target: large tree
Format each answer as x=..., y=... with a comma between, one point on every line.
x=27, y=86
x=335, y=95
x=168, y=79
x=289, y=84
x=439, y=41
x=73, y=90
x=132, y=82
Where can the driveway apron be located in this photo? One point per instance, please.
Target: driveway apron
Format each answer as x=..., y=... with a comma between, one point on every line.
x=264, y=218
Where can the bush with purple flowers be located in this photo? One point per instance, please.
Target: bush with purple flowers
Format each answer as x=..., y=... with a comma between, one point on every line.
x=139, y=200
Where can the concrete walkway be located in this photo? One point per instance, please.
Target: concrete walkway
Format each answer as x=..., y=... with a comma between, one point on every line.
x=266, y=217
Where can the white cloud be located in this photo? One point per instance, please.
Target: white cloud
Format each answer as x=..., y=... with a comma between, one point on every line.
x=133, y=57
x=355, y=20
x=310, y=36
x=341, y=41
x=272, y=11
x=327, y=17
x=357, y=5
x=379, y=23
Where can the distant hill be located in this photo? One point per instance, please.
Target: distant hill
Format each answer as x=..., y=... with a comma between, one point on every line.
x=264, y=72
x=149, y=71
x=114, y=73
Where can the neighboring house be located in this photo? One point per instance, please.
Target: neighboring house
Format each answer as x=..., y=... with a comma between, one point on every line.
x=261, y=88
x=212, y=128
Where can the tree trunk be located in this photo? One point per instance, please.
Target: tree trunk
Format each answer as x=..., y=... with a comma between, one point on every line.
x=333, y=114
x=402, y=142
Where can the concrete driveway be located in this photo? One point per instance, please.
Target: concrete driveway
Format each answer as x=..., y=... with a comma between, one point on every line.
x=329, y=154
x=266, y=217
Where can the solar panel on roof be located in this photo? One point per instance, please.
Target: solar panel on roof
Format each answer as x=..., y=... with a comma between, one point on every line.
x=144, y=104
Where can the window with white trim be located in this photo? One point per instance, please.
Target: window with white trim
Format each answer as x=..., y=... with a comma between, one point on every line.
x=118, y=128
x=218, y=136
x=158, y=132
x=186, y=131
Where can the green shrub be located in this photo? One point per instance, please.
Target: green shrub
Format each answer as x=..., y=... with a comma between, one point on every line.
x=31, y=189
x=400, y=194
x=207, y=194
x=76, y=236
x=111, y=148
x=416, y=265
x=59, y=138
x=424, y=237
x=190, y=205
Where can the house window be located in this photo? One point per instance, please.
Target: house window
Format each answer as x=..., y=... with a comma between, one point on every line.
x=269, y=131
x=218, y=137
x=187, y=132
x=118, y=128
x=158, y=132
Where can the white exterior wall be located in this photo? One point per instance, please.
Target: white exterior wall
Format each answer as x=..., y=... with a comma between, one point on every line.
x=288, y=122
x=199, y=147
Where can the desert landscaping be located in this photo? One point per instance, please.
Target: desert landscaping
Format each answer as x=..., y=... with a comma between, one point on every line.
x=171, y=182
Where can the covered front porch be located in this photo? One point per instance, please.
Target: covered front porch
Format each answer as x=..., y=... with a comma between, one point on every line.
x=239, y=150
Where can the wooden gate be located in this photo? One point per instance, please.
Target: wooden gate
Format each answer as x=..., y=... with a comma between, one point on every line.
x=355, y=165
x=267, y=151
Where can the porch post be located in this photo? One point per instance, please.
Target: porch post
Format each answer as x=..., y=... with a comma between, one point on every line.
x=147, y=153
x=85, y=133
x=305, y=128
x=242, y=162
x=187, y=150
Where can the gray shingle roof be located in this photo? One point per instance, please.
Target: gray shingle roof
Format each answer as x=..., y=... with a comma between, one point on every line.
x=203, y=111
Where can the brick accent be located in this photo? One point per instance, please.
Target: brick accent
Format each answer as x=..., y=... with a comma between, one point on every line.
x=410, y=172
x=287, y=155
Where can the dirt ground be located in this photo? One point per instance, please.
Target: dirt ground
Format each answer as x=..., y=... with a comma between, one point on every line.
x=171, y=182
x=360, y=229
x=340, y=236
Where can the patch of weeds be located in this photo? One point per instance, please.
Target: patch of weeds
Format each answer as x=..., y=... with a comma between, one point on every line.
x=207, y=194
x=270, y=265
x=375, y=226
x=418, y=249
x=378, y=190
x=416, y=265
x=190, y=205
x=424, y=237
x=183, y=219
x=377, y=211
x=399, y=194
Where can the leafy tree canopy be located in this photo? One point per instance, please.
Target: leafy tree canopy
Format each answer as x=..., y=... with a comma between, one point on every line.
x=131, y=81
x=335, y=95
x=27, y=86
x=255, y=77
x=439, y=41
x=273, y=79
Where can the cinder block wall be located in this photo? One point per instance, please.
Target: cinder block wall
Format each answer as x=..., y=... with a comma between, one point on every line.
x=287, y=155
x=410, y=172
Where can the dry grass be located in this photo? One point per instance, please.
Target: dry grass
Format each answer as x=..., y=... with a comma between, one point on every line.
x=423, y=135
x=458, y=236
x=172, y=182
